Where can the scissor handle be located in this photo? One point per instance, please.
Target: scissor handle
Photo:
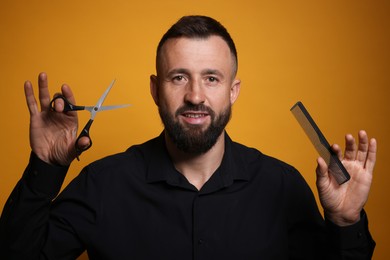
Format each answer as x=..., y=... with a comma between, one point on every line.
x=68, y=106
x=83, y=133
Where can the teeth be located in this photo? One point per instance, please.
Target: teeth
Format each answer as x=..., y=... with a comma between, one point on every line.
x=194, y=115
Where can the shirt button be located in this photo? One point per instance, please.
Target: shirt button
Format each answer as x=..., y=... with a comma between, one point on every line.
x=200, y=241
x=35, y=172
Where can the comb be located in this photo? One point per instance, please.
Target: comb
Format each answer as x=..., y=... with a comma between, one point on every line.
x=336, y=168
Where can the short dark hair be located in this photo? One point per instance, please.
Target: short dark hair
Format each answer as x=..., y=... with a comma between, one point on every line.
x=198, y=26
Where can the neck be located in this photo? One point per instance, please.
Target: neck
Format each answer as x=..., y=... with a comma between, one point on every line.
x=197, y=168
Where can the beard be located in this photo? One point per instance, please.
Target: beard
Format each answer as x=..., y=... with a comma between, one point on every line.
x=193, y=139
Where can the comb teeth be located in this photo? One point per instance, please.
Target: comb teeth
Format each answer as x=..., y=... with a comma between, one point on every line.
x=319, y=141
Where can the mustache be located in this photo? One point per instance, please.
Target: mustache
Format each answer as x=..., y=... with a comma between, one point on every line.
x=197, y=108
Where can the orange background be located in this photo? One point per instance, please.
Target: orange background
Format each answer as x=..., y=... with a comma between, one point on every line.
x=332, y=55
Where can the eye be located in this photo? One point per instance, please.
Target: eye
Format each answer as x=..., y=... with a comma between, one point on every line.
x=212, y=79
x=178, y=79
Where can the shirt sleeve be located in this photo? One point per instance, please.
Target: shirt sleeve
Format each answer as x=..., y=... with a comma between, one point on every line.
x=312, y=237
x=24, y=219
x=351, y=242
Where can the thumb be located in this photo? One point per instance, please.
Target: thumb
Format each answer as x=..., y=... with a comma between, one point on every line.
x=83, y=143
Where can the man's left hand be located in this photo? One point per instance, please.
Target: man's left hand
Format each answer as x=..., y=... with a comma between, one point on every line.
x=343, y=203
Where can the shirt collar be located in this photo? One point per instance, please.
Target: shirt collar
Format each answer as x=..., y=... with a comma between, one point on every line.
x=161, y=168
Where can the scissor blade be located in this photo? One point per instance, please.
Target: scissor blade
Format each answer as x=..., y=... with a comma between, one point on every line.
x=101, y=100
x=103, y=97
x=104, y=108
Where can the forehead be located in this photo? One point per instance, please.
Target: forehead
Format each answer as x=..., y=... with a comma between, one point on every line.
x=212, y=52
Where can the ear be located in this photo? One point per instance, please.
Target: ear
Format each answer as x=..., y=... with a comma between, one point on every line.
x=154, y=88
x=235, y=90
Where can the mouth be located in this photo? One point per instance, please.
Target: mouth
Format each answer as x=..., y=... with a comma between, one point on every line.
x=195, y=117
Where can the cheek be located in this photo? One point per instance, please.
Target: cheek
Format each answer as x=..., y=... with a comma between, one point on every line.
x=169, y=102
x=219, y=102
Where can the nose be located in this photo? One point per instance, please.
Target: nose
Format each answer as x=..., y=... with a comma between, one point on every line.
x=194, y=93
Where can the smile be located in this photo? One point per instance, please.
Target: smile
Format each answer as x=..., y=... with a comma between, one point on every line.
x=195, y=115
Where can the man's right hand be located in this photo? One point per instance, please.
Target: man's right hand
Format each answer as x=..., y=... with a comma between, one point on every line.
x=52, y=132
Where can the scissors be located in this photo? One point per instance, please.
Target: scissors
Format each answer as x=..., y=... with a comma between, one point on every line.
x=68, y=106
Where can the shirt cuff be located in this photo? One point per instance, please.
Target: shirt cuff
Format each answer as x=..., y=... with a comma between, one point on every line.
x=44, y=178
x=353, y=236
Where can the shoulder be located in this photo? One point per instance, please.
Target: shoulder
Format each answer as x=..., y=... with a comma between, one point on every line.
x=272, y=177
x=253, y=156
x=266, y=169
x=134, y=160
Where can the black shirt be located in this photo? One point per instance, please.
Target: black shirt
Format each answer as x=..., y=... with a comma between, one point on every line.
x=136, y=205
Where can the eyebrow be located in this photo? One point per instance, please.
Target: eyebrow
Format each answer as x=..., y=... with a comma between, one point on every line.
x=178, y=71
x=212, y=72
x=203, y=72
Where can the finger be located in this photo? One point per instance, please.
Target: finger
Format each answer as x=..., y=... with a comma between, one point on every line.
x=30, y=98
x=83, y=143
x=68, y=94
x=44, y=95
x=362, y=147
x=371, y=156
x=58, y=103
x=350, y=147
x=322, y=171
x=337, y=150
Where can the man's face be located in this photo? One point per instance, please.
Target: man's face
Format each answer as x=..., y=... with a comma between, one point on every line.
x=194, y=90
